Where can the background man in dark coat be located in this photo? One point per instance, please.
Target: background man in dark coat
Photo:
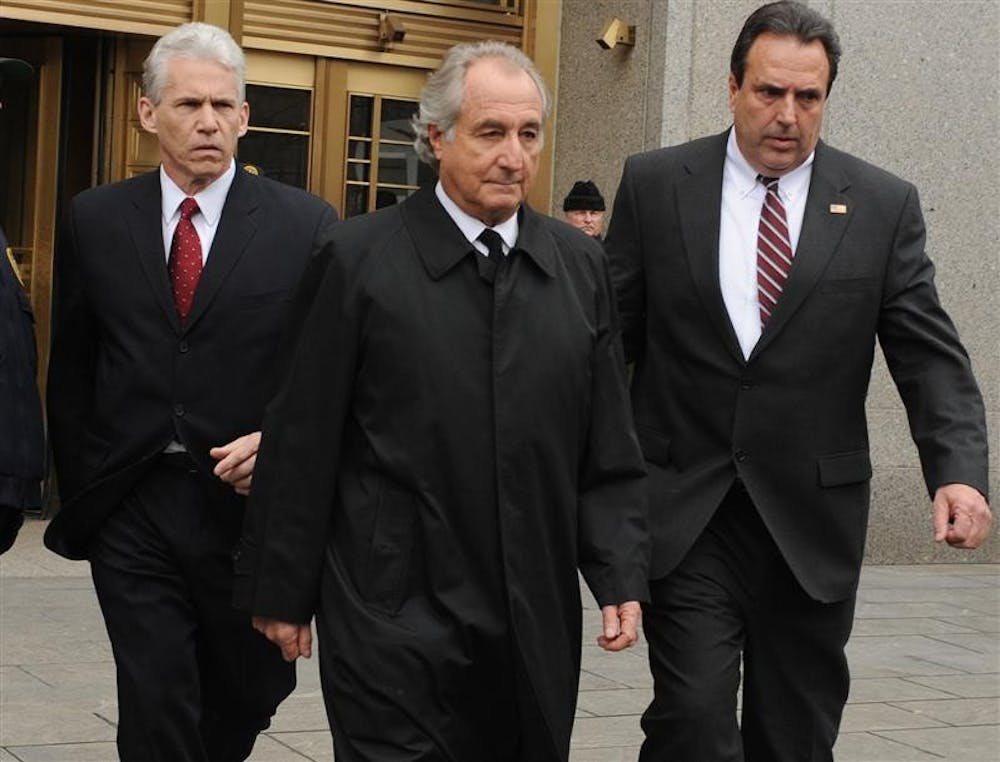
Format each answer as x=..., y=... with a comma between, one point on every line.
x=169, y=309
x=22, y=437
x=453, y=442
x=749, y=398
x=583, y=208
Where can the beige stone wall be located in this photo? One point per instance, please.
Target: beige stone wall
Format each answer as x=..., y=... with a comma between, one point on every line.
x=917, y=94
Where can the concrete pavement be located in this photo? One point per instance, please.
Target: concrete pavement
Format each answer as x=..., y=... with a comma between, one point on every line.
x=925, y=660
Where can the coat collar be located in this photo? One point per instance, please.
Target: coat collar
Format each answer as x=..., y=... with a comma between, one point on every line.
x=441, y=245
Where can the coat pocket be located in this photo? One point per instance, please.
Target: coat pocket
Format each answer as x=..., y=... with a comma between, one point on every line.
x=844, y=468
x=384, y=586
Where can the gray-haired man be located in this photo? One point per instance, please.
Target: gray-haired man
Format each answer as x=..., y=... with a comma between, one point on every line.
x=452, y=444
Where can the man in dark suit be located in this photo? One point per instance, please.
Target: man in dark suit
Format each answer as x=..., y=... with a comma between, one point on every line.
x=170, y=304
x=452, y=444
x=755, y=271
x=22, y=444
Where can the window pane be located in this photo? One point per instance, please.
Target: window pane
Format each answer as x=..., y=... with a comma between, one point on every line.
x=357, y=200
x=279, y=107
x=281, y=157
x=398, y=165
x=358, y=171
x=396, y=119
x=361, y=116
x=359, y=149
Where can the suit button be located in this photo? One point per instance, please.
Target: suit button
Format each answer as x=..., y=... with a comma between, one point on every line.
x=746, y=383
x=741, y=456
x=183, y=346
x=179, y=410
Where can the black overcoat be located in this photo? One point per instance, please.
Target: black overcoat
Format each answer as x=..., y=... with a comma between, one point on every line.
x=442, y=459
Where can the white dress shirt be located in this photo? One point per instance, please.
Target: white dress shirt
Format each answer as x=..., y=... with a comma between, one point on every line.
x=210, y=202
x=471, y=227
x=742, y=199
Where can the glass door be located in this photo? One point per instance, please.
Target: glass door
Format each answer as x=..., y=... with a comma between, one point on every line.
x=381, y=166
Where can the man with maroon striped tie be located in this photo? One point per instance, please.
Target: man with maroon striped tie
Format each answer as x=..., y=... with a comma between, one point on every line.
x=755, y=271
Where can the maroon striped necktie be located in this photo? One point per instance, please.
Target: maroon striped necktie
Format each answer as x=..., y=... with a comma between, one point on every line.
x=774, y=250
x=184, y=264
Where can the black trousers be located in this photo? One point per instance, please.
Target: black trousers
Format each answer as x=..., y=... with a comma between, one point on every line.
x=196, y=683
x=734, y=596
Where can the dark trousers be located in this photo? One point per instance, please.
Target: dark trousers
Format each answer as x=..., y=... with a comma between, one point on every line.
x=733, y=595
x=196, y=683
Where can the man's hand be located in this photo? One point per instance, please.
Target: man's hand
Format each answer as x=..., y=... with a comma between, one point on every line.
x=236, y=461
x=962, y=517
x=294, y=640
x=621, y=626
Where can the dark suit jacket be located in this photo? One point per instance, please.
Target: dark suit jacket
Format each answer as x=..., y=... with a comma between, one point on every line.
x=124, y=377
x=789, y=421
x=445, y=455
x=22, y=442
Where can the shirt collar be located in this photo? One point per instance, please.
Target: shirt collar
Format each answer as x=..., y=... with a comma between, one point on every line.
x=210, y=200
x=744, y=177
x=471, y=227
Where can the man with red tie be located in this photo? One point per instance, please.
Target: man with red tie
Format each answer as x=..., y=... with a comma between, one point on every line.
x=168, y=320
x=754, y=271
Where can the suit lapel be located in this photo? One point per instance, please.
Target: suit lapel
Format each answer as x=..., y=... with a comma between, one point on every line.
x=236, y=229
x=822, y=229
x=699, y=203
x=145, y=227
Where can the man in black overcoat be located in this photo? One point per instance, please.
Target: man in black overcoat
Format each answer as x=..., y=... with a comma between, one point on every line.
x=755, y=271
x=452, y=444
x=171, y=292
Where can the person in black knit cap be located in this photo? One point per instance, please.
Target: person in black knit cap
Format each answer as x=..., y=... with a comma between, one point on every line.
x=584, y=208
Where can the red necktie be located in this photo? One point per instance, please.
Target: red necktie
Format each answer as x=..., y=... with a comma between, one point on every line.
x=774, y=250
x=184, y=264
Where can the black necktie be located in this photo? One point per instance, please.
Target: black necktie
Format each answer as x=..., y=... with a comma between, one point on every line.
x=488, y=266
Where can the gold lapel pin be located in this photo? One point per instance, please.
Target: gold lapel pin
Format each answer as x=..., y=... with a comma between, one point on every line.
x=838, y=208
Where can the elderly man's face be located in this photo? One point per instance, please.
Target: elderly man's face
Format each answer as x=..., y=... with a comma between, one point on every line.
x=198, y=120
x=490, y=164
x=590, y=221
x=778, y=110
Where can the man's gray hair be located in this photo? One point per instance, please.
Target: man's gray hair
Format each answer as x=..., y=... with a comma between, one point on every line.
x=199, y=41
x=442, y=96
